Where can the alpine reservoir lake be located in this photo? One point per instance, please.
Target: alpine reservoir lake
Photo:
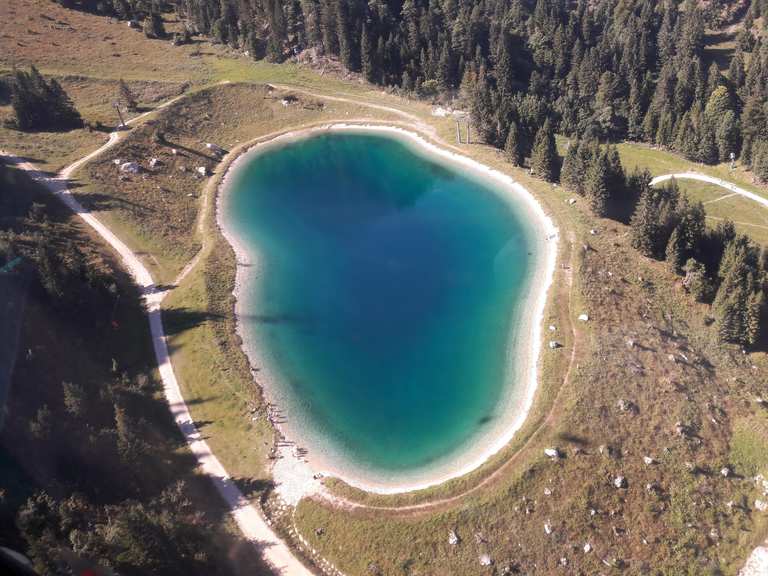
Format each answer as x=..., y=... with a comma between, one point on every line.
x=386, y=294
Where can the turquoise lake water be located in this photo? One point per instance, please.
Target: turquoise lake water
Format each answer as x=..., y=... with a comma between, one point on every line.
x=388, y=289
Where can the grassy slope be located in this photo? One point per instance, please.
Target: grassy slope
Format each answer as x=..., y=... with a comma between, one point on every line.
x=90, y=54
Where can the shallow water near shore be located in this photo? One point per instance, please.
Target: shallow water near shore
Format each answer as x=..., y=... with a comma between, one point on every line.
x=388, y=299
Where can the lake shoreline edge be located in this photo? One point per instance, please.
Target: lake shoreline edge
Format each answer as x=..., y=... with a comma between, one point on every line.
x=514, y=406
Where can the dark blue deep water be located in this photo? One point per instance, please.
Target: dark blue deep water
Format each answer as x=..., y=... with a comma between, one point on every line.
x=388, y=290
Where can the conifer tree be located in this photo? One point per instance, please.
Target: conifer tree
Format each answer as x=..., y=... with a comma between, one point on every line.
x=675, y=252
x=654, y=219
x=445, y=78
x=544, y=157
x=572, y=171
x=687, y=141
x=738, y=304
x=366, y=57
x=513, y=148
x=154, y=26
x=760, y=159
x=596, y=187
x=644, y=225
x=696, y=280
x=728, y=136
x=708, y=151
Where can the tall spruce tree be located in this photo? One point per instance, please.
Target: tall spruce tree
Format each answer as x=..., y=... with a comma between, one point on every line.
x=513, y=148
x=596, y=186
x=544, y=160
x=738, y=303
x=696, y=281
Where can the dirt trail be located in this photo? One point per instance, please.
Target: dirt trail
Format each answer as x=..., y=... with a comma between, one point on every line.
x=712, y=180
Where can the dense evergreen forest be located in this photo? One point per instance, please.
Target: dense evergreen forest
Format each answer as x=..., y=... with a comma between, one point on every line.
x=610, y=69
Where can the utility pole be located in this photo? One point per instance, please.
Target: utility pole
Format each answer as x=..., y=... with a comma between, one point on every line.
x=120, y=114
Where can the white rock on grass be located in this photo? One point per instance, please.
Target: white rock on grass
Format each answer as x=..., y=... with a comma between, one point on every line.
x=725, y=471
x=547, y=528
x=485, y=560
x=620, y=482
x=648, y=460
x=553, y=453
x=453, y=538
x=583, y=317
x=757, y=563
x=761, y=505
x=587, y=548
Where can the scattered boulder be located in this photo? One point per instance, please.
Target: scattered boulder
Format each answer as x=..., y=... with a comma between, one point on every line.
x=625, y=405
x=725, y=471
x=648, y=460
x=174, y=151
x=761, y=505
x=547, y=528
x=154, y=162
x=554, y=345
x=587, y=548
x=563, y=561
x=552, y=453
x=571, y=201
x=130, y=167
x=485, y=560
x=552, y=328
x=620, y=482
x=652, y=488
x=218, y=150
x=453, y=538
x=202, y=170
x=583, y=317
